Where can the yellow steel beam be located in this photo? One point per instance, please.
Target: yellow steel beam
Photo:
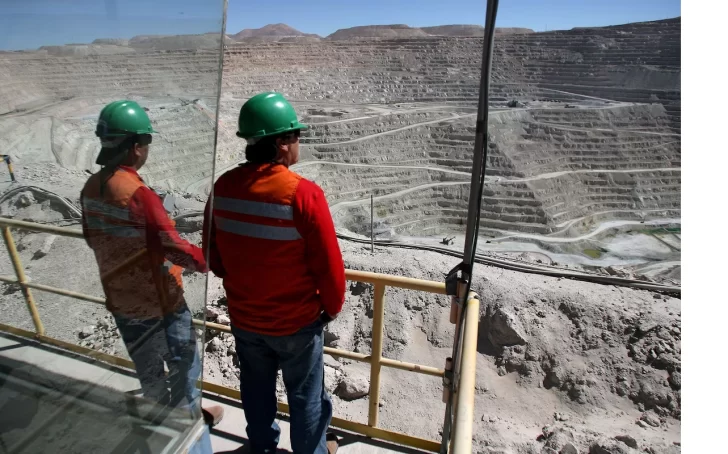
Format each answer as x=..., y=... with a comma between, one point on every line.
x=376, y=359
x=20, y=273
x=57, y=291
x=396, y=281
x=462, y=435
x=411, y=367
x=105, y=357
x=335, y=352
x=35, y=227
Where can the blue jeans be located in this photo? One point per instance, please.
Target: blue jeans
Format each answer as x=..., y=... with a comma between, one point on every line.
x=170, y=339
x=301, y=359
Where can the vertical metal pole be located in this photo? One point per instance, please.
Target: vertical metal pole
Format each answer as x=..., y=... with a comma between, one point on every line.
x=462, y=434
x=371, y=223
x=376, y=365
x=20, y=274
x=477, y=181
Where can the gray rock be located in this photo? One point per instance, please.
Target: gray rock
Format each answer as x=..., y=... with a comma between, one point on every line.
x=503, y=328
x=558, y=438
x=675, y=380
x=223, y=319
x=627, y=440
x=331, y=362
x=547, y=430
x=352, y=386
x=332, y=378
x=617, y=271
x=45, y=248
x=213, y=312
x=569, y=448
x=340, y=332
x=25, y=199
x=216, y=345
x=609, y=447
x=87, y=331
x=651, y=419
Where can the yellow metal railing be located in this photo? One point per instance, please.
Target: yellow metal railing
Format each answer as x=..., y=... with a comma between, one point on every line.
x=461, y=441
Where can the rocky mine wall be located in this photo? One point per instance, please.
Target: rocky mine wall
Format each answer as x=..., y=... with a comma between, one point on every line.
x=601, y=106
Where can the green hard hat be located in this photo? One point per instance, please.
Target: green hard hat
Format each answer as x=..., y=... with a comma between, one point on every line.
x=117, y=121
x=123, y=118
x=267, y=114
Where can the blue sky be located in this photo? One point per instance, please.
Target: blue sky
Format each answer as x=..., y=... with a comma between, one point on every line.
x=28, y=24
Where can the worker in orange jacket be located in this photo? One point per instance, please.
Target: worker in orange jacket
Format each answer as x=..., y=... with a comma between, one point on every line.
x=140, y=257
x=272, y=241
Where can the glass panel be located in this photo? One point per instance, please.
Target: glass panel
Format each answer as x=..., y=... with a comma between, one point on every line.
x=107, y=116
x=585, y=161
x=392, y=113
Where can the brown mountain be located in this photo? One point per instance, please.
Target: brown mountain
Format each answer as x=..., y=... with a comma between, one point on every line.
x=455, y=30
x=512, y=31
x=377, y=31
x=405, y=31
x=270, y=31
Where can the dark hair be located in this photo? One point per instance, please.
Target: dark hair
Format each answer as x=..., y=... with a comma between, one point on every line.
x=122, y=154
x=264, y=150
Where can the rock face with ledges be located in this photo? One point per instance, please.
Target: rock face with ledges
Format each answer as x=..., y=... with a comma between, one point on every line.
x=593, y=132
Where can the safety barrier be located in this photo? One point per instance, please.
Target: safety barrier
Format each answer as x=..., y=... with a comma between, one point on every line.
x=461, y=375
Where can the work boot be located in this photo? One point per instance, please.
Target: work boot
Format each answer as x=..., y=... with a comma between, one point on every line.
x=332, y=442
x=213, y=415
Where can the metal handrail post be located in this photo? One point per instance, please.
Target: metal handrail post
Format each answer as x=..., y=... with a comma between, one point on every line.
x=376, y=358
x=18, y=266
x=462, y=434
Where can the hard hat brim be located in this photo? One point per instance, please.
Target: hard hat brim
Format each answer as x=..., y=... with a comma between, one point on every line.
x=295, y=127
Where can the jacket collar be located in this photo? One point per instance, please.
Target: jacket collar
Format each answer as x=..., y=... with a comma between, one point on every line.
x=132, y=171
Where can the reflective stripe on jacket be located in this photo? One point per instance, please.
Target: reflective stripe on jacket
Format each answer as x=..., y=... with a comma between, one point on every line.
x=273, y=242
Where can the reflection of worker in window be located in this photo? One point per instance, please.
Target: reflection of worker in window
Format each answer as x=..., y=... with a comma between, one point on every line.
x=140, y=257
x=272, y=240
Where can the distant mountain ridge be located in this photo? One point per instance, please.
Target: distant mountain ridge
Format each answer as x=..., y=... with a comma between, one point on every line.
x=271, y=31
x=278, y=32
x=405, y=31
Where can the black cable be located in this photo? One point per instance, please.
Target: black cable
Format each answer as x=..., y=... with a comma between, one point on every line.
x=490, y=17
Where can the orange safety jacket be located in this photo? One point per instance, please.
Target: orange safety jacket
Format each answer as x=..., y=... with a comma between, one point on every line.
x=139, y=253
x=272, y=240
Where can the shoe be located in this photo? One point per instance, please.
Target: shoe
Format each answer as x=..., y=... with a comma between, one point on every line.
x=332, y=442
x=213, y=415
